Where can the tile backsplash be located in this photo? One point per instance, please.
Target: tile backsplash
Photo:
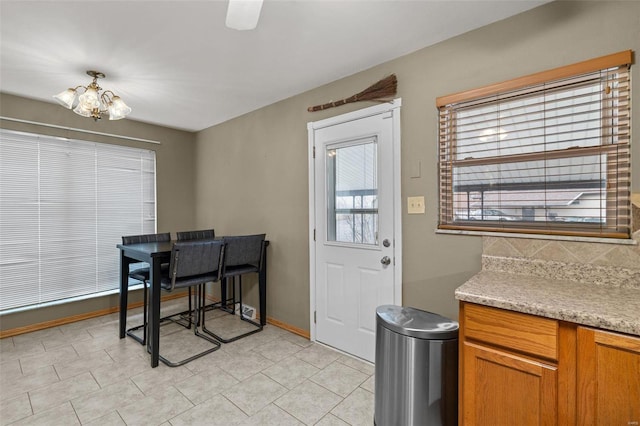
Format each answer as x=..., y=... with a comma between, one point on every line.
x=594, y=262
x=588, y=262
x=602, y=254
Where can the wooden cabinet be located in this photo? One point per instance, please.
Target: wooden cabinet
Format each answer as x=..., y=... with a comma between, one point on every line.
x=608, y=378
x=501, y=388
x=509, y=368
x=519, y=369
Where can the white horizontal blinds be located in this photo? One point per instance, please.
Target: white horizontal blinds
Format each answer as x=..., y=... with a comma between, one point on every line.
x=67, y=218
x=64, y=205
x=549, y=158
x=125, y=201
x=19, y=221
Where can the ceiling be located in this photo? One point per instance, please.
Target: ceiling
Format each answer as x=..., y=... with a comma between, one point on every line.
x=177, y=65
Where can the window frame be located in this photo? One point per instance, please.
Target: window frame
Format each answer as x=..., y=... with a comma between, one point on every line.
x=523, y=86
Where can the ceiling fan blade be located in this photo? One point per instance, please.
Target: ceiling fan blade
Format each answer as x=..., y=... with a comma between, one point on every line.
x=243, y=14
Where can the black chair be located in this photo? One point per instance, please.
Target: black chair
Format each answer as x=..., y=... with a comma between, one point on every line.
x=140, y=272
x=205, y=234
x=243, y=255
x=194, y=263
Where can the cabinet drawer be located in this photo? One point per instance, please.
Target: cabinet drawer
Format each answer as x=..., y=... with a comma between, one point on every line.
x=514, y=330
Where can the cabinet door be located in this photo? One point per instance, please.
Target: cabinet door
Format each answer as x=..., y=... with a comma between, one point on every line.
x=505, y=389
x=608, y=378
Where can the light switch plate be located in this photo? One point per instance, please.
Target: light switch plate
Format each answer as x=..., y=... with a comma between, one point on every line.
x=415, y=205
x=416, y=169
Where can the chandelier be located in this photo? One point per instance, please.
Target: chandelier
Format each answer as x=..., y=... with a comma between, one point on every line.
x=92, y=103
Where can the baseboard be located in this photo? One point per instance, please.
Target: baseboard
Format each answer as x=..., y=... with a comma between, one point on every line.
x=289, y=327
x=276, y=323
x=74, y=318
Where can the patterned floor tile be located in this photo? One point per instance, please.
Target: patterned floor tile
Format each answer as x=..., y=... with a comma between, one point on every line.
x=62, y=391
x=271, y=415
x=61, y=415
x=290, y=372
x=308, y=402
x=356, y=409
x=98, y=404
x=83, y=372
x=15, y=409
x=339, y=378
x=213, y=412
x=255, y=393
x=202, y=386
x=155, y=408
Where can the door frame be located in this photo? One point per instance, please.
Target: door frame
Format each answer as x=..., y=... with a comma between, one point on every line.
x=392, y=107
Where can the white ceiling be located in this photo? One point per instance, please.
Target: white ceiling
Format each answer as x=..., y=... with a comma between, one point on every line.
x=176, y=64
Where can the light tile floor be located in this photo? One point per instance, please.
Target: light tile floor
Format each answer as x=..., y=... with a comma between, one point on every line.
x=82, y=373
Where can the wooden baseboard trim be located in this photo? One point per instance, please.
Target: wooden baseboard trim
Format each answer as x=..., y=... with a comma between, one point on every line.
x=277, y=323
x=74, y=318
x=289, y=327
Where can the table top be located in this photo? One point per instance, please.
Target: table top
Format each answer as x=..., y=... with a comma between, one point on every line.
x=160, y=248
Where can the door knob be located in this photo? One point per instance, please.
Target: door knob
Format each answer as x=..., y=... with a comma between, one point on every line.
x=385, y=260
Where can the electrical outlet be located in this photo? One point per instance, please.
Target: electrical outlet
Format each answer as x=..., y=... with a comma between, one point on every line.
x=415, y=205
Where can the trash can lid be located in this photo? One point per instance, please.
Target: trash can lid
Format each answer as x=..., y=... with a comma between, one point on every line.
x=416, y=323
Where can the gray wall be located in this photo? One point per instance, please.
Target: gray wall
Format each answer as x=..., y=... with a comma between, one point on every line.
x=174, y=176
x=251, y=172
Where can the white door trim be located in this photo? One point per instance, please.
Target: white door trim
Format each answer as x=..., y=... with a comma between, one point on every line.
x=394, y=108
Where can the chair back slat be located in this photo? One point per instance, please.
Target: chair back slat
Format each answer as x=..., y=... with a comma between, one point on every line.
x=244, y=250
x=192, y=258
x=204, y=234
x=147, y=238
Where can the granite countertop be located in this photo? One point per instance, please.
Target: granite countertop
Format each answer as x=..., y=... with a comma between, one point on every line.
x=615, y=308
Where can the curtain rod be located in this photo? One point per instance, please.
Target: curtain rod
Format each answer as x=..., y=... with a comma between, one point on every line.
x=74, y=129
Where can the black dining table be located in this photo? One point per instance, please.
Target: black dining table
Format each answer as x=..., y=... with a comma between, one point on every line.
x=155, y=254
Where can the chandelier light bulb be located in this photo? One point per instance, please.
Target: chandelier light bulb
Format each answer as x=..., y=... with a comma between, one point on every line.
x=118, y=109
x=89, y=99
x=82, y=110
x=66, y=98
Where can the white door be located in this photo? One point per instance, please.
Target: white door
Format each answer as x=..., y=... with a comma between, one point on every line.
x=356, y=218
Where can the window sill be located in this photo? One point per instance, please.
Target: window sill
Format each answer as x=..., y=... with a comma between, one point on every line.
x=618, y=241
x=67, y=300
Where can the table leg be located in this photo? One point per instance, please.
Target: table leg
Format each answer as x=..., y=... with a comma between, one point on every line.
x=262, y=290
x=124, y=292
x=223, y=293
x=154, y=312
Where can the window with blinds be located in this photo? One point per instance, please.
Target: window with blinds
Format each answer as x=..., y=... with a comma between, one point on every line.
x=547, y=153
x=64, y=205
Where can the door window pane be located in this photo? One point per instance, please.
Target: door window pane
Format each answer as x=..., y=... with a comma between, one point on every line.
x=352, y=193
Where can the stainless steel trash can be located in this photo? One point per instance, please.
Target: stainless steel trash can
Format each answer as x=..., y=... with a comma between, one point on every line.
x=416, y=368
